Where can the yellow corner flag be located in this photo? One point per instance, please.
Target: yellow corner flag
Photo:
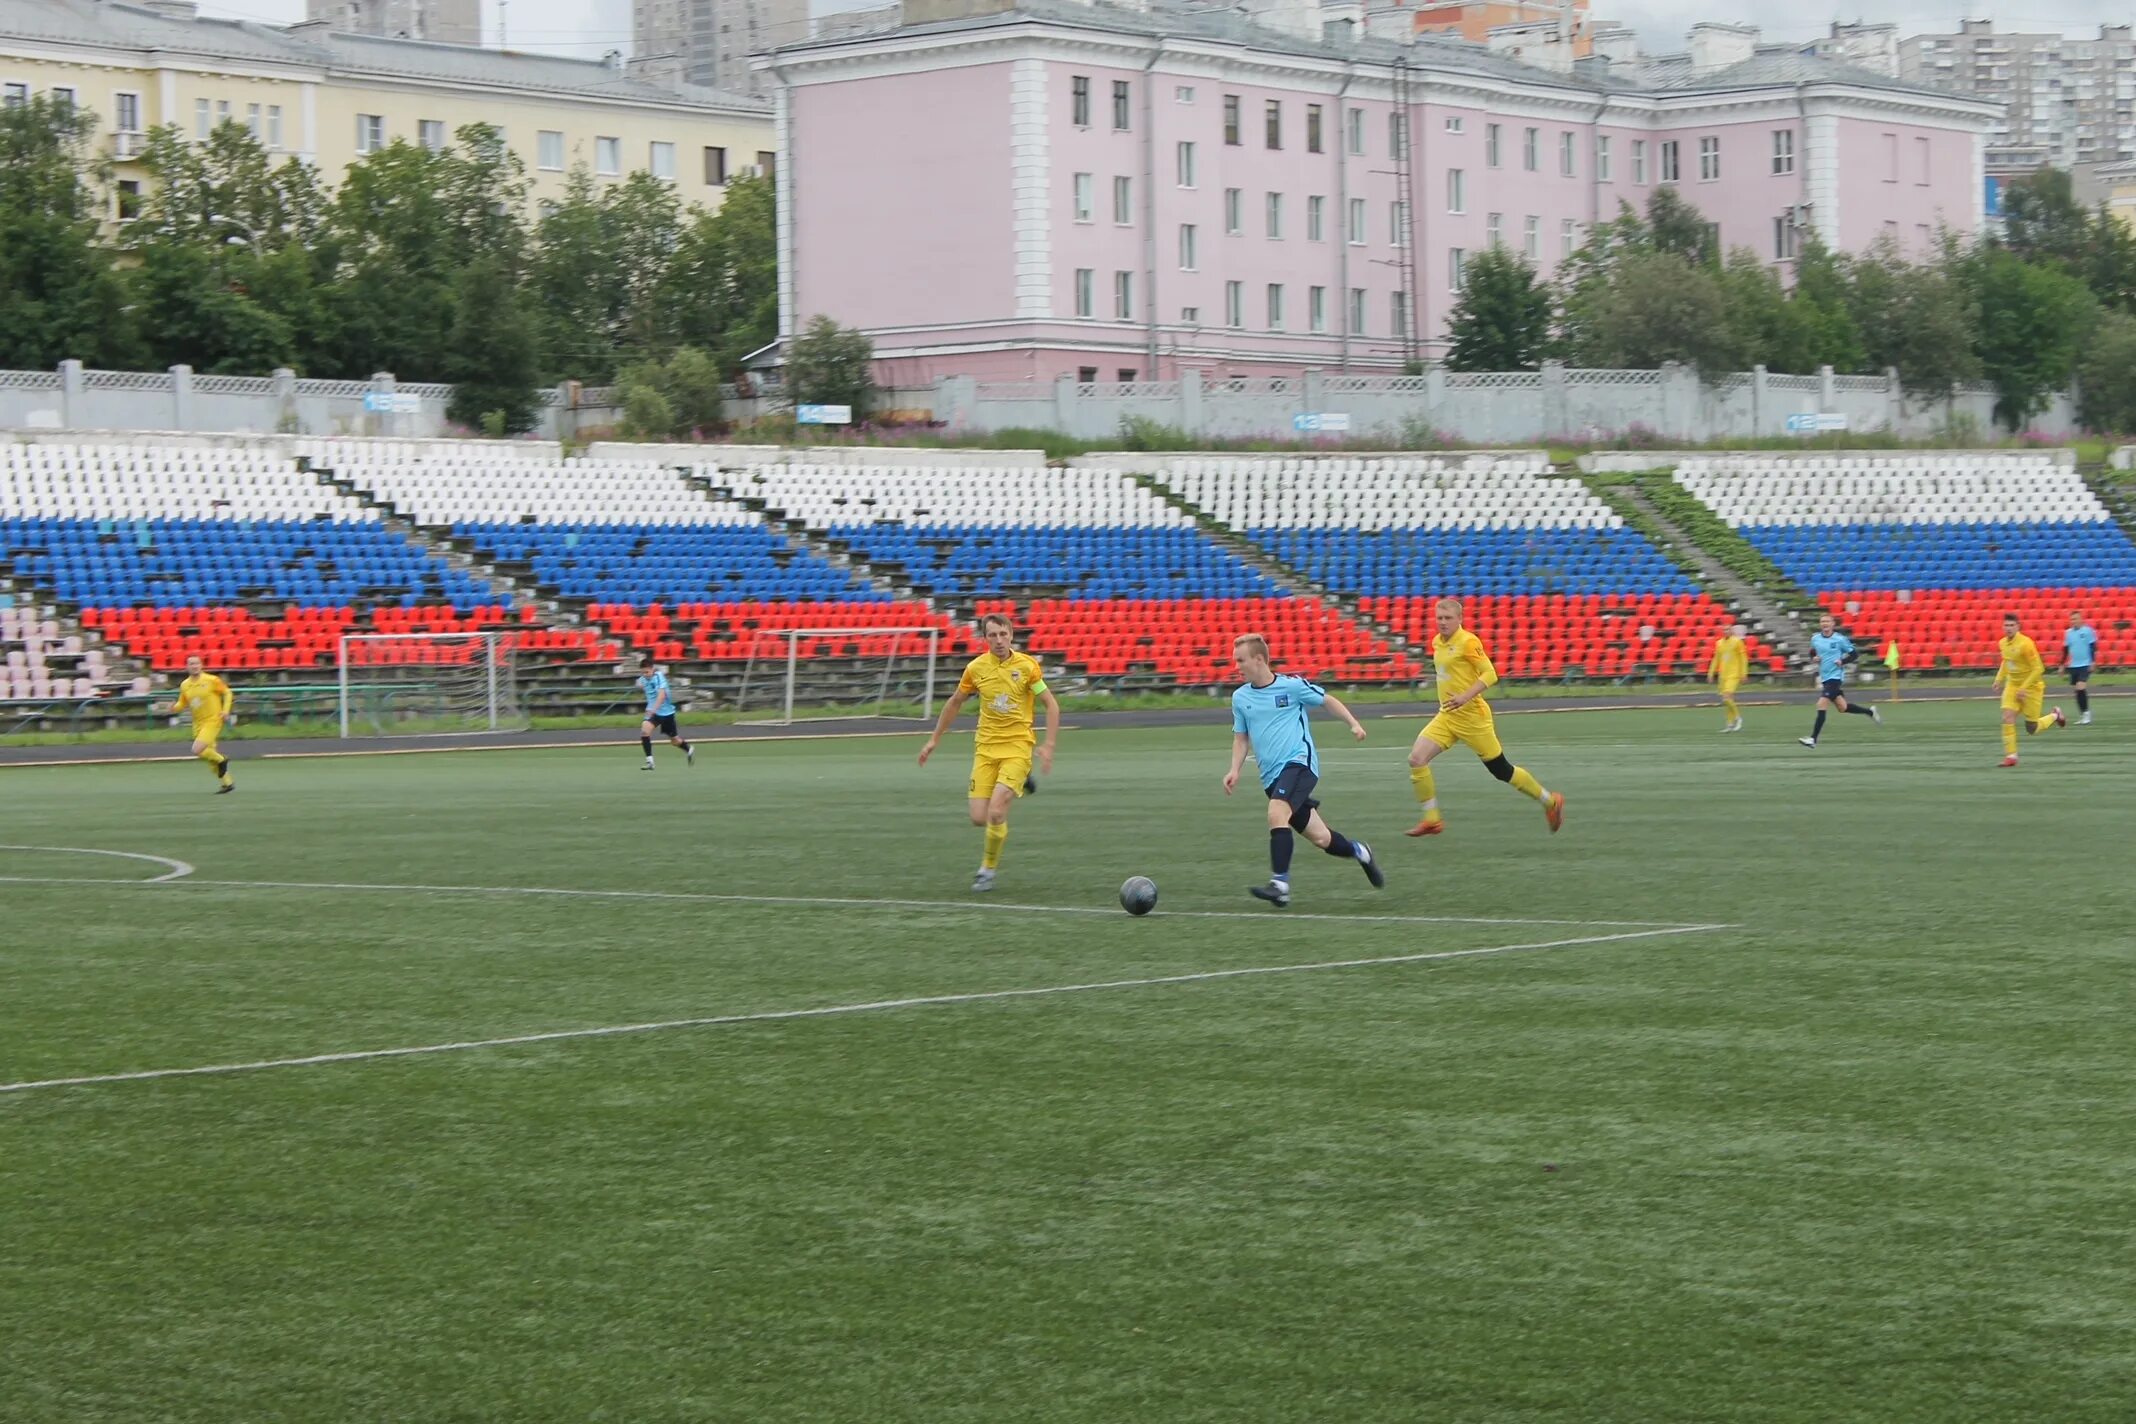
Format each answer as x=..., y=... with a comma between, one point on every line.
x=1891, y=655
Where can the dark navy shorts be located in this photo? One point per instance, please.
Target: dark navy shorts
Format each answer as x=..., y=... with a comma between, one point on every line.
x=2080, y=674
x=1294, y=786
x=1834, y=688
x=663, y=722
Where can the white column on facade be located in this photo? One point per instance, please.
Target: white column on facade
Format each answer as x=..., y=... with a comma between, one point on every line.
x=782, y=142
x=308, y=122
x=1030, y=173
x=1820, y=165
x=1976, y=205
x=167, y=96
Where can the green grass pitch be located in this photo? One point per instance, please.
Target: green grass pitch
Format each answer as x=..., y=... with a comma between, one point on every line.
x=1862, y=1151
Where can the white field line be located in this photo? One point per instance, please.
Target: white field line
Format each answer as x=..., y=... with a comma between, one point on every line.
x=836, y=1010
x=829, y=902
x=172, y=869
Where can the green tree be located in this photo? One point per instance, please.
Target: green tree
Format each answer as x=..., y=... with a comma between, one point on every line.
x=1660, y=308
x=2110, y=261
x=1922, y=319
x=196, y=310
x=1676, y=227
x=1820, y=292
x=60, y=295
x=724, y=281
x=829, y=364
x=494, y=366
x=646, y=413
x=688, y=385
x=2106, y=375
x=2034, y=320
x=2044, y=223
x=1502, y=318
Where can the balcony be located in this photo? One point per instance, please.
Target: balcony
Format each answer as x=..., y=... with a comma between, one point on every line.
x=128, y=143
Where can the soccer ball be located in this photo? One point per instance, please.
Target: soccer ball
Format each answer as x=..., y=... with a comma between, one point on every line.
x=1138, y=896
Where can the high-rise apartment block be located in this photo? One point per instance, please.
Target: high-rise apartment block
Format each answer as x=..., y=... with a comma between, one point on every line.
x=447, y=21
x=2072, y=99
x=708, y=42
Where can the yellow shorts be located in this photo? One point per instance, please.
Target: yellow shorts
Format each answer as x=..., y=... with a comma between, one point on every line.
x=1476, y=733
x=208, y=733
x=991, y=769
x=2027, y=702
x=1729, y=685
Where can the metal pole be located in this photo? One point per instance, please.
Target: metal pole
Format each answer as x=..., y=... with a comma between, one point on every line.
x=793, y=656
x=492, y=648
x=934, y=642
x=344, y=680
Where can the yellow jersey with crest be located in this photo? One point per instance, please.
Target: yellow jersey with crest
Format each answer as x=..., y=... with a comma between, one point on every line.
x=1462, y=663
x=207, y=697
x=1007, y=689
x=1731, y=662
x=2022, y=665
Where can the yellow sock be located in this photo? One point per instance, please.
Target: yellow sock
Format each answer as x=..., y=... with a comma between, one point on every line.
x=1728, y=706
x=1525, y=783
x=1420, y=781
x=2009, y=739
x=2043, y=724
x=995, y=835
x=213, y=758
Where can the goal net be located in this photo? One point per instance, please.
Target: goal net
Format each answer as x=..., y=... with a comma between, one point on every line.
x=428, y=684
x=841, y=672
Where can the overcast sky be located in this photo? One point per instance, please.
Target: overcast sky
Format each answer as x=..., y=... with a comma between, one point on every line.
x=590, y=28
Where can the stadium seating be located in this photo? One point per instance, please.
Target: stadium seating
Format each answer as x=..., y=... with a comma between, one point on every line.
x=39, y=661
x=1100, y=571
x=1552, y=579
x=1932, y=550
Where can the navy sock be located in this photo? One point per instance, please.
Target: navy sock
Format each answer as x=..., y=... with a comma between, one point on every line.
x=1858, y=709
x=647, y=743
x=2083, y=700
x=1279, y=852
x=684, y=745
x=1339, y=844
x=1818, y=730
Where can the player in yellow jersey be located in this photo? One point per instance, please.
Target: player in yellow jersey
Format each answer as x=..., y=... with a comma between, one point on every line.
x=1009, y=685
x=208, y=698
x=1730, y=665
x=2023, y=680
x=1464, y=672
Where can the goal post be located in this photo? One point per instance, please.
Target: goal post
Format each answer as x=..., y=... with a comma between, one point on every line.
x=865, y=673
x=428, y=684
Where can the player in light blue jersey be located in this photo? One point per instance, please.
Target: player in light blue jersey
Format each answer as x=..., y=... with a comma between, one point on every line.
x=2081, y=644
x=1834, y=651
x=659, y=713
x=1269, y=717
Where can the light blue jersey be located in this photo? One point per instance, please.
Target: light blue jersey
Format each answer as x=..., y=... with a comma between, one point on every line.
x=1273, y=718
x=2082, y=644
x=1832, y=650
x=657, y=702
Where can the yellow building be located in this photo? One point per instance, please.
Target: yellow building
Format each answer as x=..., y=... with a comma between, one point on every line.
x=330, y=98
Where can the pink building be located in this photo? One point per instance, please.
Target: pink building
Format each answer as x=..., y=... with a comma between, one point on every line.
x=1060, y=190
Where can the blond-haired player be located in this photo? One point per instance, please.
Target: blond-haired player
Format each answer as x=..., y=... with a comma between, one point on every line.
x=1464, y=672
x=209, y=699
x=1730, y=665
x=1009, y=684
x=2023, y=680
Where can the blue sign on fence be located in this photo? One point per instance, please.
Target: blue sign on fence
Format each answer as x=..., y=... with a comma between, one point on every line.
x=823, y=415
x=393, y=403
x=1324, y=422
x=1811, y=423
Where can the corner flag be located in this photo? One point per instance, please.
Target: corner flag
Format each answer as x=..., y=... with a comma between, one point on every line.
x=1891, y=655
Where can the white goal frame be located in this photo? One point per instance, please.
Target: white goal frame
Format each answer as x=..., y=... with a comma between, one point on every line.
x=497, y=650
x=794, y=637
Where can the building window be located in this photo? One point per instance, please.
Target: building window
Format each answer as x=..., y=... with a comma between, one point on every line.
x=430, y=133
x=1568, y=238
x=1494, y=229
x=1085, y=197
x=1891, y=158
x=1567, y=167
x=715, y=159
x=1120, y=93
x=1357, y=222
x=126, y=112
x=202, y=122
x=1316, y=308
x=1087, y=375
x=1187, y=253
x=1783, y=151
x=1123, y=296
x=1671, y=163
x=370, y=132
x=1125, y=374
x=1275, y=215
x=1085, y=291
x=274, y=126
x=1490, y=145
x=1314, y=142
x=1456, y=124
x=607, y=156
x=547, y=208
x=1272, y=123
x=1398, y=306
x=1456, y=191
x=222, y=112
x=1357, y=311
x=1079, y=101
x=1639, y=174
x=1784, y=238
x=1529, y=138
x=549, y=155
x=1316, y=213
x=15, y=94
x=1234, y=304
x=1398, y=223
x=1921, y=160
x=1183, y=94
x=1234, y=212
x=1190, y=315
x=1353, y=123
x=1531, y=237
x=767, y=166
x=252, y=121
x=128, y=199
x=1231, y=121
x=1184, y=156
x=1709, y=158
x=1601, y=158
x=1456, y=268
x=1275, y=306
x=1123, y=199
x=660, y=160
x=1397, y=136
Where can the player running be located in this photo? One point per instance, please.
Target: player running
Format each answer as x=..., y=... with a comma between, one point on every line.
x=1010, y=684
x=2081, y=645
x=210, y=701
x=1269, y=715
x=659, y=713
x=1464, y=672
x=1834, y=651
x=1730, y=665
x=2023, y=680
